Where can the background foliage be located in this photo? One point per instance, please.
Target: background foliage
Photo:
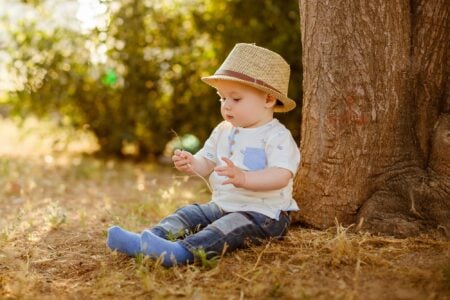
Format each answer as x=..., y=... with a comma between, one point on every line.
x=148, y=83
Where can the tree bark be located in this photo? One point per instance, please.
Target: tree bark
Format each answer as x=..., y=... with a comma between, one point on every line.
x=374, y=83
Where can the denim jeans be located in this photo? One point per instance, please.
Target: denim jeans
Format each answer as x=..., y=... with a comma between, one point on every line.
x=207, y=227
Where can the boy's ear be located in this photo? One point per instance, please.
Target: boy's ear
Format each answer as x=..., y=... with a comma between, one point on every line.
x=270, y=101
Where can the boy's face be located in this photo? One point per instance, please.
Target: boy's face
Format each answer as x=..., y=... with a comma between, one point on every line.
x=243, y=105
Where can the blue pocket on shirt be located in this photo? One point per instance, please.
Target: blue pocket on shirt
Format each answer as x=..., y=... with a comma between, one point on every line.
x=255, y=158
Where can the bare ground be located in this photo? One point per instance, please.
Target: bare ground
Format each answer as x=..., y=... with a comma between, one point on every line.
x=56, y=204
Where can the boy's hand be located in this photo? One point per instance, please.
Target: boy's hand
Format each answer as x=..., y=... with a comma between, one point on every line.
x=183, y=160
x=235, y=175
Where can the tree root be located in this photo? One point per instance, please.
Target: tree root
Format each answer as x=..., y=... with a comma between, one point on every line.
x=414, y=203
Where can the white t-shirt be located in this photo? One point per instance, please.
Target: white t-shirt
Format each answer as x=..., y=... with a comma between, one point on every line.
x=252, y=149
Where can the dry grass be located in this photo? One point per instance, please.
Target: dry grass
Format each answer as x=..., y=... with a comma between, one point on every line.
x=56, y=204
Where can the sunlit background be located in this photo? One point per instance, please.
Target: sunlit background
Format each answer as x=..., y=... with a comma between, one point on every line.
x=49, y=15
x=128, y=71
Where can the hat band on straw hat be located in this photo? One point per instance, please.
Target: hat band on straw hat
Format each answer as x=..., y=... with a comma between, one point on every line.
x=241, y=76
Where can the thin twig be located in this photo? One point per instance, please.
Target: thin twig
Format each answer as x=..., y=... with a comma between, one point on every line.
x=260, y=255
x=240, y=276
x=203, y=178
x=189, y=165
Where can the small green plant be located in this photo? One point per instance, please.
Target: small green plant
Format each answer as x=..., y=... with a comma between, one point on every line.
x=56, y=216
x=174, y=236
x=146, y=278
x=142, y=261
x=201, y=257
x=146, y=271
x=182, y=233
x=139, y=259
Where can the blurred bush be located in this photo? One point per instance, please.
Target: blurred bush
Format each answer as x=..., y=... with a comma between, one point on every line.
x=149, y=84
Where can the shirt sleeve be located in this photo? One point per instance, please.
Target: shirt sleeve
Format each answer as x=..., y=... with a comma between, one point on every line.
x=209, y=149
x=282, y=151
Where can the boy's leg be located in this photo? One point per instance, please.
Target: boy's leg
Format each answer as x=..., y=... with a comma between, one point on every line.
x=154, y=242
x=235, y=230
x=187, y=218
x=172, y=252
x=123, y=241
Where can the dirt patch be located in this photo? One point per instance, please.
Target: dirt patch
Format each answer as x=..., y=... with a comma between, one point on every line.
x=55, y=210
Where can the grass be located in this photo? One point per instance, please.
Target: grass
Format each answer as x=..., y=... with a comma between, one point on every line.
x=55, y=207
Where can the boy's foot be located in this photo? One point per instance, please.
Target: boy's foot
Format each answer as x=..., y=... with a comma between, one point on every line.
x=123, y=241
x=154, y=246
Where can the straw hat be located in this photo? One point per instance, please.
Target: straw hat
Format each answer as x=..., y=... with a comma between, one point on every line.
x=259, y=68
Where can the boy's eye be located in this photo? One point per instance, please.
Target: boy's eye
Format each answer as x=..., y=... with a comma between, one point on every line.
x=222, y=99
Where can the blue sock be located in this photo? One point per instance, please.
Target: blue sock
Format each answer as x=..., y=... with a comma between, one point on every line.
x=153, y=246
x=123, y=241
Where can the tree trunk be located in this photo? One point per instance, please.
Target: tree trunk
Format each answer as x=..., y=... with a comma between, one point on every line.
x=375, y=125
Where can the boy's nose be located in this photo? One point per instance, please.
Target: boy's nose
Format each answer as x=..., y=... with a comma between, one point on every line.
x=226, y=105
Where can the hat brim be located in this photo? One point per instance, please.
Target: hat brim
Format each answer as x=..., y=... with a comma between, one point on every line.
x=288, y=104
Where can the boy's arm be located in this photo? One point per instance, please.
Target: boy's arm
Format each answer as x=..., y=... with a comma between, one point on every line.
x=202, y=166
x=272, y=178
